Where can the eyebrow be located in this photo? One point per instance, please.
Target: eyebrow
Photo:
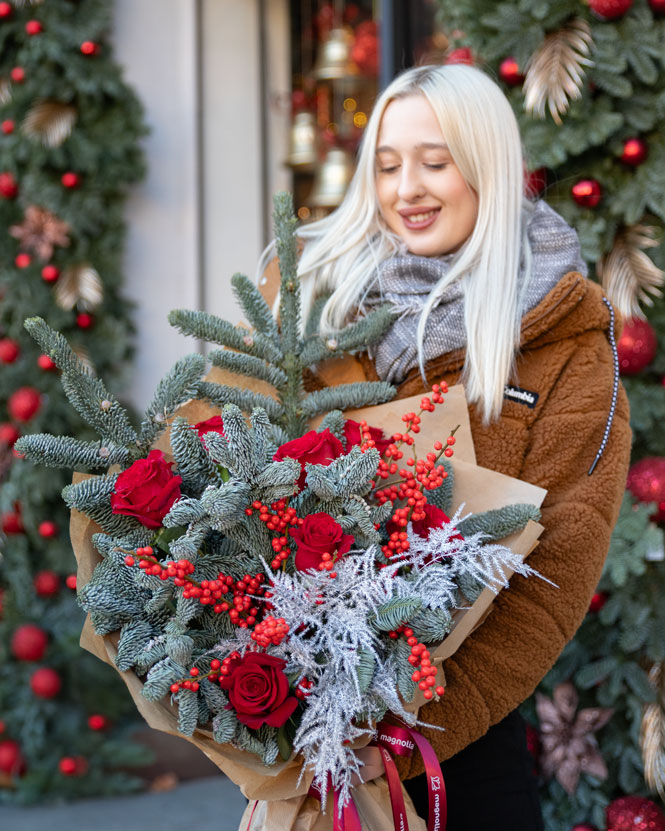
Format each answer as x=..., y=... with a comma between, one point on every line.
x=425, y=145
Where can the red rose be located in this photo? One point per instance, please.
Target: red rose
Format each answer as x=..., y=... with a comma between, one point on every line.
x=210, y=425
x=434, y=518
x=313, y=448
x=146, y=490
x=319, y=534
x=353, y=436
x=259, y=691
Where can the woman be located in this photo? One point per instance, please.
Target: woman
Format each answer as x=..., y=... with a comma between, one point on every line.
x=490, y=291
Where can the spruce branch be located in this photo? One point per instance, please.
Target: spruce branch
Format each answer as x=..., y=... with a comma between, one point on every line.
x=287, y=251
x=70, y=453
x=257, y=311
x=346, y=396
x=352, y=338
x=221, y=394
x=250, y=366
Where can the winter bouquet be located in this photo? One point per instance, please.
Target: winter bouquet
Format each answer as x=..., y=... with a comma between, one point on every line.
x=284, y=593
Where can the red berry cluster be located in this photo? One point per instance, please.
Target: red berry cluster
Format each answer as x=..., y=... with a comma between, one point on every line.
x=328, y=563
x=303, y=688
x=424, y=671
x=278, y=517
x=240, y=607
x=191, y=683
x=270, y=631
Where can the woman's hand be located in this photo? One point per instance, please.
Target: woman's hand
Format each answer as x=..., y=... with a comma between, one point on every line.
x=372, y=765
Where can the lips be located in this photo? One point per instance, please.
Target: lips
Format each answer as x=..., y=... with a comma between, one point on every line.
x=418, y=219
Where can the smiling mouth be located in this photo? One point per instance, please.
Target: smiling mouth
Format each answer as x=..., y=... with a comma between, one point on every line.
x=417, y=222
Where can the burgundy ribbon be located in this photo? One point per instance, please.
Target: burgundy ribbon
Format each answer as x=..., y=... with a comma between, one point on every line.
x=402, y=741
x=348, y=819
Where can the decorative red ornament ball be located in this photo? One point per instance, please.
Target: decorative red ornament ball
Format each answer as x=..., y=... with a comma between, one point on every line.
x=50, y=273
x=48, y=529
x=598, y=601
x=46, y=583
x=509, y=72
x=635, y=151
x=657, y=6
x=634, y=813
x=646, y=481
x=24, y=403
x=5, y=10
x=9, y=350
x=22, y=260
x=70, y=582
x=45, y=683
x=33, y=27
x=636, y=346
x=97, y=722
x=610, y=9
x=89, y=47
x=535, y=182
x=11, y=758
x=8, y=186
x=29, y=642
x=17, y=74
x=84, y=320
x=587, y=192
x=12, y=523
x=45, y=363
x=8, y=434
x=584, y=826
x=460, y=55
x=7, y=126
x=70, y=179
x=73, y=765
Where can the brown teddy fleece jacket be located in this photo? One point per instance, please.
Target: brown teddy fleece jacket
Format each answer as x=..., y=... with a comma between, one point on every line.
x=566, y=364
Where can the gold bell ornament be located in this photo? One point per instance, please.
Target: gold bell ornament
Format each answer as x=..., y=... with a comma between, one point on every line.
x=332, y=179
x=334, y=60
x=302, y=141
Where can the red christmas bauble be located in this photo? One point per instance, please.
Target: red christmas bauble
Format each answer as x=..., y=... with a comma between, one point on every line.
x=50, y=273
x=535, y=182
x=635, y=151
x=12, y=523
x=587, y=192
x=7, y=126
x=584, y=826
x=9, y=351
x=45, y=363
x=29, y=643
x=5, y=10
x=610, y=9
x=636, y=346
x=646, y=481
x=8, y=186
x=45, y=683
x=97, y=722
x=84, y=320
x=73, y=765
x=48, y=529
x=460, y=55
x=33, y=27
x=89, y=47
x=598, y=601
x=70, y=582
x=634, y=813
x=24, y=403
x=70, y=179
x=46, y=583
x=657, y=6
x=17, y=74
x=11, y=758
x=509, y=72
x=22, y=260
x=8, y=434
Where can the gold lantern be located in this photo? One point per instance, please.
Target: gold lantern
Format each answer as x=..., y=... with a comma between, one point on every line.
x=332, y=179
x=302, y=142
x=334, y=60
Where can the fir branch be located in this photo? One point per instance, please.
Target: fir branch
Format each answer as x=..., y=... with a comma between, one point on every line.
x=92, y=497
x=356, y=336
x=347, y=397
x=87, y=394
x=213, y=329
x=71, y=453
x=314, y=320
x=394, y=613
x=287, y=251
x=221, y=394
x=499, y=523
x=224, y=726
x=134, y=638
x=176, y=387
x=248, y=365
x=193, y=463
x=257, y=311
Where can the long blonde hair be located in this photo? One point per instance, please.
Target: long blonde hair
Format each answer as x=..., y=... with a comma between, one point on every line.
x=343, y=251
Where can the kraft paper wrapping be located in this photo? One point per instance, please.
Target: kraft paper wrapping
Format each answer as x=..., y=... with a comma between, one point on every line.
x=276, y=801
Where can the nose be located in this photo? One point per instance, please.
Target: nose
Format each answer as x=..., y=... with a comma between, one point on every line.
x=410, y=185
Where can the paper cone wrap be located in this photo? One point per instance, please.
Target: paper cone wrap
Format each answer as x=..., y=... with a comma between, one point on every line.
x=278, y=801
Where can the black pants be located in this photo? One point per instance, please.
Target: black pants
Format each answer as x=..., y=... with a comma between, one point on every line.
x=490, y=784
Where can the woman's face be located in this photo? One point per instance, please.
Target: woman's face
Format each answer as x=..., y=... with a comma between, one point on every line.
x=422, y=195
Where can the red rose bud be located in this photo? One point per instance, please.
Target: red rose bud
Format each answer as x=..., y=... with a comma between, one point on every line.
x=210, y=425
x=146, y=490
x=434, y=518
x=313, y=448
x=318, y=535
x=354, y=436
x=259, y=690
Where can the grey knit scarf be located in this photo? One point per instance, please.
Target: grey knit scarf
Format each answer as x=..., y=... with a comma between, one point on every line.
x=406, y=281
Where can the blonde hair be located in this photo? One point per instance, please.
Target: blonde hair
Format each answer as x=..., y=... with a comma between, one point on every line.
x=343, y=251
